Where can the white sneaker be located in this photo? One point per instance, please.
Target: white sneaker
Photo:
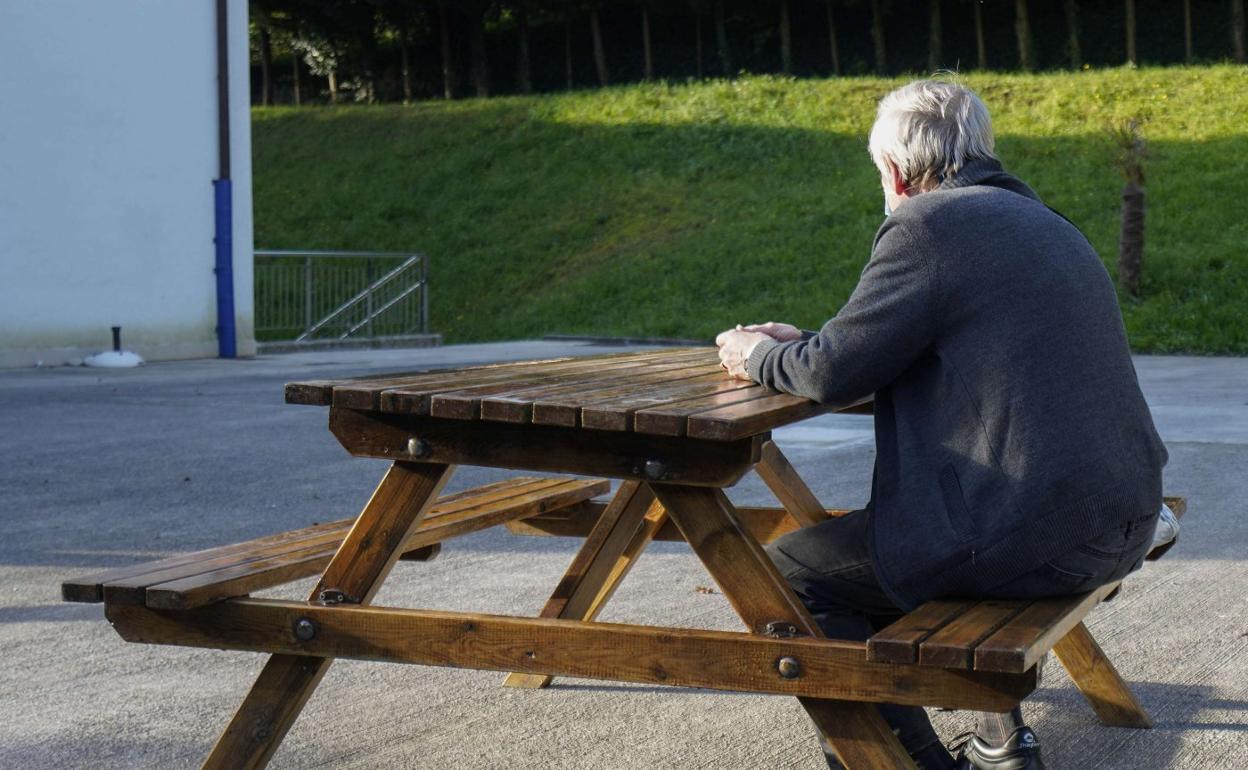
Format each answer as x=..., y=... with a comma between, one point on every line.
x=1167, y=527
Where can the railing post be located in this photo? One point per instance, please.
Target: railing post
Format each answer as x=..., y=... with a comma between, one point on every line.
x=307, y=293
x=424, y=293
x=369, y=300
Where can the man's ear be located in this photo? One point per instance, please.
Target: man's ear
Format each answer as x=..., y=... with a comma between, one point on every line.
x=900, y=188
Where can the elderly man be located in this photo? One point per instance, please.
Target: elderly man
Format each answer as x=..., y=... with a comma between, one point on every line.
x=1015, y=456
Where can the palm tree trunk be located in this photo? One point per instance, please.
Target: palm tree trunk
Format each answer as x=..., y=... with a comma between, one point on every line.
x=448, y=56
x=480, y=63
x=1072, y=34
x=1237, y=29
x=296, y=90
x=877, y=37
x=1022, y=29
x=721, y=40
x=1187, y=31
x=836, y=50
x=698, y=31
x=567, y=51
x=600, y=54
x=786, y=39
x=1131, y=57
x=935, y=56
x=266, y=67
x=1131, y=243
x=524, y=69
x=981, y=50
x=645, y=42
x=405, y=67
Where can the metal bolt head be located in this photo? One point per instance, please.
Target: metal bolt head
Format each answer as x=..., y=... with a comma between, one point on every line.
x=418, y=447
x=789, y=668
x=654, y=470
x=304, y=629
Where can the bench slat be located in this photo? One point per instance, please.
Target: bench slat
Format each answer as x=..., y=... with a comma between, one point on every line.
x=238, y=580
x=953, y=645
x=899, y=642
x=1021, y=643
x=191, y=580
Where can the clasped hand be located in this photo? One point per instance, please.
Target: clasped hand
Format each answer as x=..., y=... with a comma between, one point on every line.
x=736, y=345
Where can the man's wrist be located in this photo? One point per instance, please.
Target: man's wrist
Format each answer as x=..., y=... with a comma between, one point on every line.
x=754, y=363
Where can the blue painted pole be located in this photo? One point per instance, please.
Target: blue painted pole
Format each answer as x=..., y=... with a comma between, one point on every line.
x=224, y=239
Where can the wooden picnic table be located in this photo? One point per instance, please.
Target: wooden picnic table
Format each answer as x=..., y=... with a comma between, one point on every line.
x=675, y=430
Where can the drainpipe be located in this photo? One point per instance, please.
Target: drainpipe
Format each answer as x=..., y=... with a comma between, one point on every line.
x=222, y=196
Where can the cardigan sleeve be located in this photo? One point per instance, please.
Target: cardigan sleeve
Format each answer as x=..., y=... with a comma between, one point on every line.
x=888, y=322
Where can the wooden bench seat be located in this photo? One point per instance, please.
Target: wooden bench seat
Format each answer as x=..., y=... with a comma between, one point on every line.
x=190, y=580
x=991, y=635
x=984, y=636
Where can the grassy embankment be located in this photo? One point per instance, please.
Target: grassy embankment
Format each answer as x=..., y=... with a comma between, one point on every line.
x=677, y=210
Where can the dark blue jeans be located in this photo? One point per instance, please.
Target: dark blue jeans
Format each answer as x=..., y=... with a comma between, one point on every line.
x=829, y=567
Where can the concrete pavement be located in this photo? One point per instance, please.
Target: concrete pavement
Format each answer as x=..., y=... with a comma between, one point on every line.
x=101, y=468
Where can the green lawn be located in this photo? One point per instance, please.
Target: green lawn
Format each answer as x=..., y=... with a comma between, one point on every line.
x=678, y=210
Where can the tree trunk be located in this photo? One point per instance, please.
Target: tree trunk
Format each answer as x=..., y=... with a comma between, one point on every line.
x=645, y=42
x=448, y=55
x=935, y=56
x=698, y=29
x=1072, y=34
x=981, y=50
x=405, y=67
x=1131, y=58
x=332, y=77
x=1131, y=243
x=296, y=90
x=1022, y=29
x=721, y=40
x=600, y=54
x=877, y=37
x=1237, y=29
x=266, y=67
x=1187, y=31
x=836, y=49
x=786, y=39
x=567, y=51
x=480, y=64
x=524, y=69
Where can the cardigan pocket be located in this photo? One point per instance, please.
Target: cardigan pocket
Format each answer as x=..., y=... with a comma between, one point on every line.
x=960, y=520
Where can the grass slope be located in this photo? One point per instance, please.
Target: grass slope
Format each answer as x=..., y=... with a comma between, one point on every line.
x=678, y=210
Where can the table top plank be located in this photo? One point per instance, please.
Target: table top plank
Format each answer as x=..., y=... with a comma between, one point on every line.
x=410, y=394
x=749, y=418
x=673, y=392
x=465, y=404
x=416, y=398
x=565, y=409
x=321, y=392
x=517, y=407
x=672, y=419
x=617, y=413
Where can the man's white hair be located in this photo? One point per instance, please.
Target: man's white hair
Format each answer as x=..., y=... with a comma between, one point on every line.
x=929, y=129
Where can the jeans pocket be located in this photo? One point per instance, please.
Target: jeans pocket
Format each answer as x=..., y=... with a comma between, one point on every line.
x=959, y=515
x=1066, y=580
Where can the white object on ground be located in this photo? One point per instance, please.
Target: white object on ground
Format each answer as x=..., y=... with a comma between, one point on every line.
x=114, y=359
x=1167, y=527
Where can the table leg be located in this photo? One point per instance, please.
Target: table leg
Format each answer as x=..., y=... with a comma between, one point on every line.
x=1098, y=680
x=855, y=732
x=611, y=549
x=357, y=570
x=774, y=469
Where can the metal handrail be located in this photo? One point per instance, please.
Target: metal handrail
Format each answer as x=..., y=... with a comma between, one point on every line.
x=279, y=295
x=364, y=295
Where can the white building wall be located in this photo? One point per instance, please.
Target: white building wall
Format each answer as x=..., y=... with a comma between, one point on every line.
x=108, y=149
